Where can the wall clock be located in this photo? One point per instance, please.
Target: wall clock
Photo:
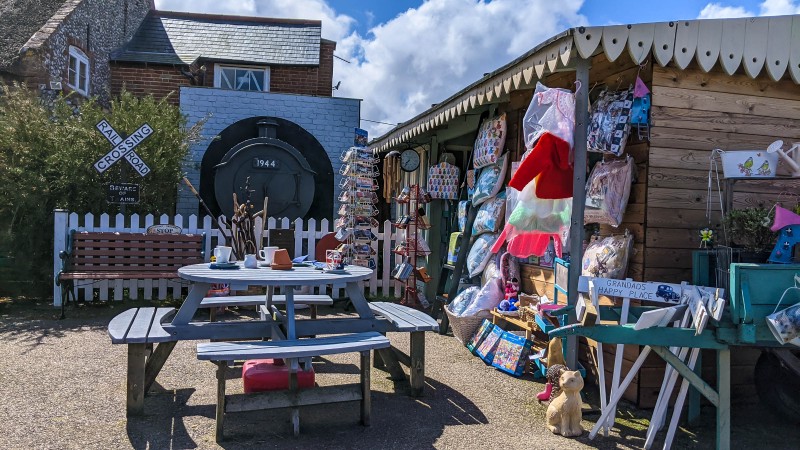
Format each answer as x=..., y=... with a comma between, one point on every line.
x=409, y=160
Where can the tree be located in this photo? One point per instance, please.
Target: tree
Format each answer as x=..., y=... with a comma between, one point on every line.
x=47, y=152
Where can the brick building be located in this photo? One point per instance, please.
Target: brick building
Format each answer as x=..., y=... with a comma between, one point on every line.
x=264, y=85
x=65, y=45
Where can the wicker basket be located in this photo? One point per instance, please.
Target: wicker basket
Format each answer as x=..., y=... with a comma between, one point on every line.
x=464, y=328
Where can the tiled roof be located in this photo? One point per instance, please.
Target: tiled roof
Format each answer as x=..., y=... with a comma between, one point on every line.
x=181, y=38
x=19, y=20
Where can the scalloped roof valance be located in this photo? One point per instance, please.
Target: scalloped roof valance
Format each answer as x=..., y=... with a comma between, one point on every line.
x=770, y=44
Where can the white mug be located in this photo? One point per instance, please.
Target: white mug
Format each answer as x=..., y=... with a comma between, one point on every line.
x=267, y=254
x=250, y=262
x=222, y=254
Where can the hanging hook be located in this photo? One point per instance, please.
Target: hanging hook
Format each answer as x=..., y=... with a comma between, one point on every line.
x=578, y=85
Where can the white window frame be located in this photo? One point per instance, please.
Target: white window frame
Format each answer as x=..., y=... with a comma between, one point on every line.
x=218, y=76
x=80, y=58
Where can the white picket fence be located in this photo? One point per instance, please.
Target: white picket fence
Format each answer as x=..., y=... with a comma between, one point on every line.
x=306, y=235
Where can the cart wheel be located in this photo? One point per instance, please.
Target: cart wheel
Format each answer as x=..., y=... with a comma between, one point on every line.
x=778, y=387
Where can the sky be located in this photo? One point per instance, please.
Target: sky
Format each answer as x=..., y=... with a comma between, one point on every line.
x=402, y=56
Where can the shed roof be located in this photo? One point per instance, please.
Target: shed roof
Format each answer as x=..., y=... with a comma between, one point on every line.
x=21, y=19
x=760, y=44
x=166, y=37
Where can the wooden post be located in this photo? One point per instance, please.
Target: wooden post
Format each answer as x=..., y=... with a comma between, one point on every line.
x=155, y=362
x=578, y=198
x=694, y=395
x=724, y=406
x=417, y=368
x=60, y=220
x=220, y=422
x=366, y=401
x=434, y=266
x=136, y=361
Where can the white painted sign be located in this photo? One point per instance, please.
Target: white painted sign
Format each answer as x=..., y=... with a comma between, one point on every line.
x=123, y=148
x=657, y=292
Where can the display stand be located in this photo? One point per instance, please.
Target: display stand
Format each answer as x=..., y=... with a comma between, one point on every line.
x=358, y=198
x=410, y=272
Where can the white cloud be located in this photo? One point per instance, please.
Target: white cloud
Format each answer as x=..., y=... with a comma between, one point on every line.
x=426, y=54
x=422, y=56
x=718, y=11
x=766, y=8
x=779, y=7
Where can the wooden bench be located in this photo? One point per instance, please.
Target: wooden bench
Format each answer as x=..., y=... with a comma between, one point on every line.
x=405, y=320
x=140, y=328
x=221, y=352
x=125, y=256
x=255, y=300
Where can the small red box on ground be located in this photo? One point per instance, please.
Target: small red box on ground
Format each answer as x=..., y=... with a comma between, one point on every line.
x=261, y=375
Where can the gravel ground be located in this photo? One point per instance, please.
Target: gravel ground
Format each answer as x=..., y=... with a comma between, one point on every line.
x=62, y=385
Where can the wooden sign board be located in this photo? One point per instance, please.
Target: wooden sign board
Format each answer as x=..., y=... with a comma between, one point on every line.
x=123, y=193
x=164, y=229
x=657, y=292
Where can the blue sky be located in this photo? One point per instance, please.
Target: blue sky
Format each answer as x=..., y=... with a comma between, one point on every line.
x=400, y=56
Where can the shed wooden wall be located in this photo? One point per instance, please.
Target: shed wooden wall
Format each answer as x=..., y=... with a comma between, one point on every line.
x=693, y=113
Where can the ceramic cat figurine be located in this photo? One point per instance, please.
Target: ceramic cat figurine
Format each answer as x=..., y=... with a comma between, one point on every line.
x=564, y=412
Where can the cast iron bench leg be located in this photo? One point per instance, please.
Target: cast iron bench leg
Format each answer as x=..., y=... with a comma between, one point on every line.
x=417, y=368
x=136, y=370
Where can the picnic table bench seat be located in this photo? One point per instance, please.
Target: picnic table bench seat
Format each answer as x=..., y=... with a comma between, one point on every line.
x=405, y=320
x=311, y=300
x=292, y=349
x=140, y=328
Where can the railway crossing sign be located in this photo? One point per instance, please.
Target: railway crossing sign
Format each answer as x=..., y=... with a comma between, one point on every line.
x=123, y=148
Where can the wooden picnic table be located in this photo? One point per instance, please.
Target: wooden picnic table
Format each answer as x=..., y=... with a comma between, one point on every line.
x=140, y=328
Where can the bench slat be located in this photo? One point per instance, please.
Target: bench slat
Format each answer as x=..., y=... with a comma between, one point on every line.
x=140, y=245
x=141, y=325
x=122, y=258
x=134, y=237
x=157, y=332
x=404, y=318
x=255, y=300
x=297, y=348
x=160, y=252
x=119, y=326
x=128, y=275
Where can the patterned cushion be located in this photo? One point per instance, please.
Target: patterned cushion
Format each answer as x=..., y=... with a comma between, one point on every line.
x=490, y=141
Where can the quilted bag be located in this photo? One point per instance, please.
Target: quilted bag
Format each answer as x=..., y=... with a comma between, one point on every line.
x=443, y=181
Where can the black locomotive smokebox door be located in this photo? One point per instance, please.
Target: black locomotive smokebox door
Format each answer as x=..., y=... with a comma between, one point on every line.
x=275, y=169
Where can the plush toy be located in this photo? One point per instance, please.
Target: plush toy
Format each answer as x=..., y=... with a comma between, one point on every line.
x=564, y=413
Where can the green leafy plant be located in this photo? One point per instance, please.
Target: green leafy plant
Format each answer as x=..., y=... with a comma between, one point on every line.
x=749, y=228
x=47, y=151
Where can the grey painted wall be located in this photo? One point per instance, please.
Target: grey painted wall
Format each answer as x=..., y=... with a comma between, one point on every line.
x=331, y=120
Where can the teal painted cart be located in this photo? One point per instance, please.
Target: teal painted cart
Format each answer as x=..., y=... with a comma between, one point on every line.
x=755, y=289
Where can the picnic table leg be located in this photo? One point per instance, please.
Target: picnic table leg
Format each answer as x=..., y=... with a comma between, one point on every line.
x=136, y=369
x=366, y=400
x=220, y=413
x=155, y=362
x=417, y=368
x=293, y=388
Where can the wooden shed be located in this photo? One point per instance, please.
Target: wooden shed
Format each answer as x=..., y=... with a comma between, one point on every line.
x=727, y=83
